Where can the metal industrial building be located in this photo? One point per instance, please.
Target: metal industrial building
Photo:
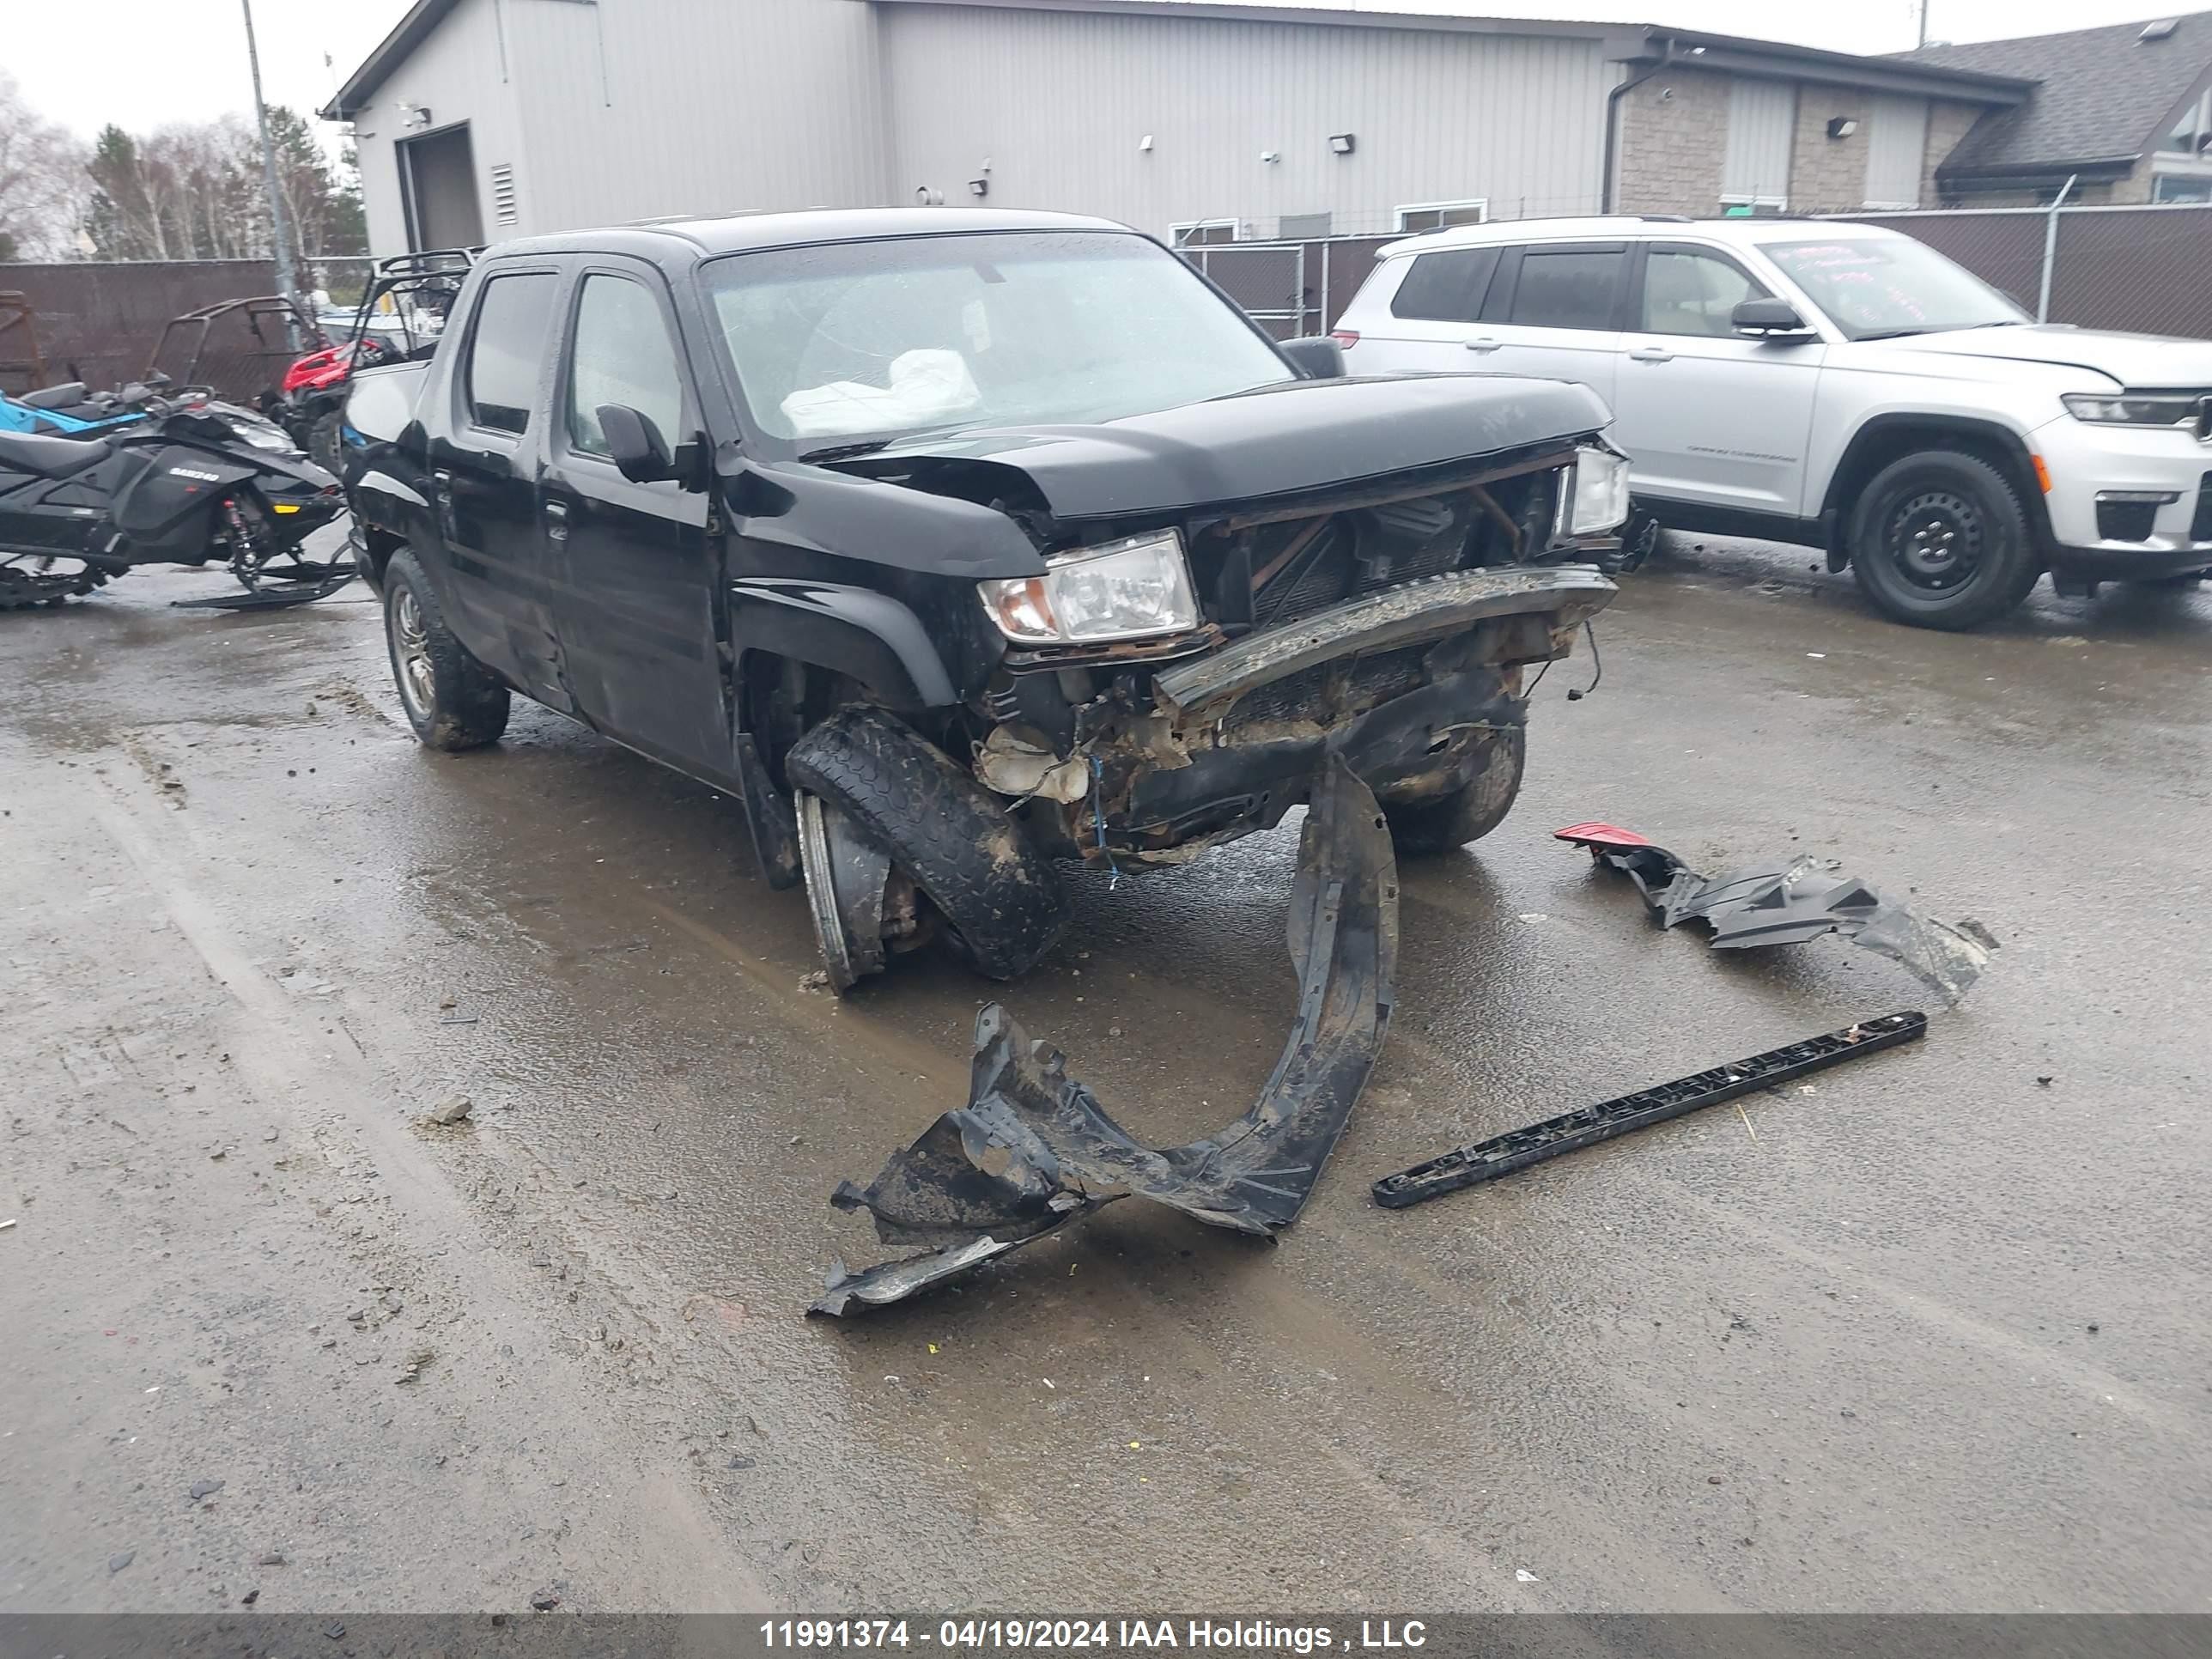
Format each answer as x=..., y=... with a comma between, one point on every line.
x=477, y=119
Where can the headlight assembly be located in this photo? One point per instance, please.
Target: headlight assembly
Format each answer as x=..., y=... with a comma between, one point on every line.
x=1593, y=495
x=2133, y=408
x=1130, y=589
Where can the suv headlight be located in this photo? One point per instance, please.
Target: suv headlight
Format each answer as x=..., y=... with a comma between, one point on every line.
x=2132, y=408
x=1125, y=590
x=1594, y=498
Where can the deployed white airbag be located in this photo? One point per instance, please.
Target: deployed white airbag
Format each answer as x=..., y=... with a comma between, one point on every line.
x=928, y=386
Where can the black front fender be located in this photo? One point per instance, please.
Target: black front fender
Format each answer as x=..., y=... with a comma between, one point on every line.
x=874, y=638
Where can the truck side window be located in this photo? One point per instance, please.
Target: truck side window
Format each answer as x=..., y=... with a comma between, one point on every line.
x=506, y=348
x=1446, y=285
x=1569, y=288
x=1686, y=292
x=623, y=354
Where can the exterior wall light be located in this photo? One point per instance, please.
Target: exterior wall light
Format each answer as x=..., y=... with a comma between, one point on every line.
x=1842, y=127
x=1342, y=143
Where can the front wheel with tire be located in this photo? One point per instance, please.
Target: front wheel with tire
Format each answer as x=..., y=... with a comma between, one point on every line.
x=1470, y=811
x=885, y=812
x=453, y=701
x=1941, y=540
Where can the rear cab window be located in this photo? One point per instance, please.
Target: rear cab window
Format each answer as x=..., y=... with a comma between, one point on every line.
x=508, y=348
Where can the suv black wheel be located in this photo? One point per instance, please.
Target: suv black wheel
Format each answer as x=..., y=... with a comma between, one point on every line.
x=1470, y=811
x=1940, y=540
x=941, y=830
x=452, y=700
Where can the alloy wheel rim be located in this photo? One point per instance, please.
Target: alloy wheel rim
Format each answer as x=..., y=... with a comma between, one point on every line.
x=412, y=640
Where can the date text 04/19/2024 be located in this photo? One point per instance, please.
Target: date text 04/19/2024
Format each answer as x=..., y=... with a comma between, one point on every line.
x=1068, y=1634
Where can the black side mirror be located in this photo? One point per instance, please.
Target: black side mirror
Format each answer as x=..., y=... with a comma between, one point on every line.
x=1316, y=357
x=1769, y=319
x=635, y=445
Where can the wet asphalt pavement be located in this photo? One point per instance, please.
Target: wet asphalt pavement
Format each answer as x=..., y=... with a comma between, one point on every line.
x=1932, y=1332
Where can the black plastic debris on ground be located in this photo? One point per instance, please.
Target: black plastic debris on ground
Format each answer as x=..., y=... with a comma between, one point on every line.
x=1799, y=901
x=1502, y=1155
x=1033, y=1149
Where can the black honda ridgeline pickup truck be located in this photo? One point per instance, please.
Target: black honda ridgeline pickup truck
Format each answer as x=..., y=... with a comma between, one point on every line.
x=955, y=544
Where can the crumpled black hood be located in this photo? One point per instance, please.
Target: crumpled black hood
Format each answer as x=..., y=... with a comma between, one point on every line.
x=1299, y=435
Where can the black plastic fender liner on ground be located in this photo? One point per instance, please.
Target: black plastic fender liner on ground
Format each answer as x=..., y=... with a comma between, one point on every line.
x=1502, y=1155
x=1033, y=1149
x=1801, y=901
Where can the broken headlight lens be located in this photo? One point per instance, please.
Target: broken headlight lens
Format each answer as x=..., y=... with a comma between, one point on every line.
x=1125, y=590
x=1595, y=498
x=2133, y=409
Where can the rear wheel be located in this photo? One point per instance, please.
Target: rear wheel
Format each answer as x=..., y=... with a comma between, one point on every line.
x=1470, y=811
x=453, y=701
x=323, y=440
x=887, y=818
x=1940, y=540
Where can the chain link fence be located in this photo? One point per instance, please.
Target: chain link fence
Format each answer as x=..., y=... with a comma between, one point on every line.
x=2141, y=269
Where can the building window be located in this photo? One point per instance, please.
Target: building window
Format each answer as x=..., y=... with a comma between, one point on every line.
x=1754, y=207
x=2168, y=188
x=2192, y=133
x=1435, y=215
x=1203, y=232
x=1302, y=227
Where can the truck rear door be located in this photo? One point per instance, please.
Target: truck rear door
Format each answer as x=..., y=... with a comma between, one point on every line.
x=484, y=471
x=635, y=613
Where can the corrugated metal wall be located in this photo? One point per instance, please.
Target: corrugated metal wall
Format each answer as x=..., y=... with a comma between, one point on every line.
x=1894, y=151
x=1762, y=117
x=638, y=108
x=1057, y=104
x=461, y=73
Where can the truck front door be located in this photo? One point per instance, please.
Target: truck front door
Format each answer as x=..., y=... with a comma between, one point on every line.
x=636, y=608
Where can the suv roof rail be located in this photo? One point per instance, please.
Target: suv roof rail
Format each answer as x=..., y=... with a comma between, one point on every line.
x=1666, y=218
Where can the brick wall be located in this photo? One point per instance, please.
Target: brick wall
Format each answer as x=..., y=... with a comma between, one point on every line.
x=1828, y=175
x=1674, y=133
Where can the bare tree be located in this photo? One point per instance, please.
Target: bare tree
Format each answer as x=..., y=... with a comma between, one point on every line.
x=41, y=180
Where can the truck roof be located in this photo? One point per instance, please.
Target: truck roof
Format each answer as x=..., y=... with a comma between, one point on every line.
x=738, y=233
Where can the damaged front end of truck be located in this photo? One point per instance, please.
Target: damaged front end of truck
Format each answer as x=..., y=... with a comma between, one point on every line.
x=1219, y=614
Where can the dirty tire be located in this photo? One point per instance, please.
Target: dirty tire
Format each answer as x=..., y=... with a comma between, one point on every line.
x=1983, y=559
x=453, y=701
x=1003, y=899
x=1469, y=813
x=323, y=440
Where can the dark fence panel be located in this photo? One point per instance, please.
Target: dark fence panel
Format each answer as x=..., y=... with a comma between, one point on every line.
x=1290, y=288
x=2139, y=268
x=101, y=323
x=2147, y=269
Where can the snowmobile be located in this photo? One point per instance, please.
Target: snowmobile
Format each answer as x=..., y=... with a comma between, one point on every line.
x=194, y=484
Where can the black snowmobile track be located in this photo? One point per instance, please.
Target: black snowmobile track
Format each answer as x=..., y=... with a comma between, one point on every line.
x=1501, y=1155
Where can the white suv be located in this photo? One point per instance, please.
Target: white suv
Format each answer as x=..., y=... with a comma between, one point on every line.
x=1839, y=386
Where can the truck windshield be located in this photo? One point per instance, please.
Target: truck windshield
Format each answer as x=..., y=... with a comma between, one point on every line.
x=1879, y=287
x=882, y=340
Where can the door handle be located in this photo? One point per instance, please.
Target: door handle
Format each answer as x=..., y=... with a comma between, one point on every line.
x=1651, y=355
x=556, y=521
x=1483, y=343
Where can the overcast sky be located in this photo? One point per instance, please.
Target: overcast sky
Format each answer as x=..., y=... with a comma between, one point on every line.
x=140, y=63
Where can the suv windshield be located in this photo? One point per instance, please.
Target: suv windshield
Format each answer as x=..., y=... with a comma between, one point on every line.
x=882, y=340
x=1879, y=287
